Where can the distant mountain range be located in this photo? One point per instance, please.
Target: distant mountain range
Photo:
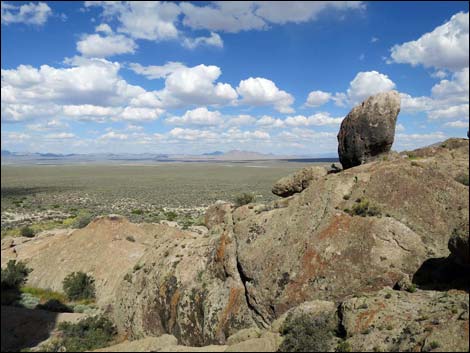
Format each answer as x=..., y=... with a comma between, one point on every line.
x=9, y=157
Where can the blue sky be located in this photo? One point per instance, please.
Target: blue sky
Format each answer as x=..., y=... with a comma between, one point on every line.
x=272, y=77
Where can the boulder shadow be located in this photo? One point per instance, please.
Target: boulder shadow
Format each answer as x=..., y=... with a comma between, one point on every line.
x=25, y=328
x=442, y=274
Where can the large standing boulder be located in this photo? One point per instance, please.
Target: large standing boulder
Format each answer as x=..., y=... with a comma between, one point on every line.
x=369, y=129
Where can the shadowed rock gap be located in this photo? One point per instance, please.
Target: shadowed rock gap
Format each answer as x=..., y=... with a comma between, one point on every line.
x=258, y=317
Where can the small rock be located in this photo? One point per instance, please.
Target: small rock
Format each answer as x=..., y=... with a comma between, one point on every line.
x=458, y=246
x=298, y=181
x=404, y=284
x=244, y=335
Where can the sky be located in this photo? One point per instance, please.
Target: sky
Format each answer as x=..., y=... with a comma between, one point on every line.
x=270, y=77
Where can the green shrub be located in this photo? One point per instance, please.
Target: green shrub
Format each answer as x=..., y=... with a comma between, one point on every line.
x=88, y=334
x=130, y=238
x=343, y=347
x=462, y=179
x=79, y=285
x=82, y=221
x=171, y=216
x=14, y=275
x=27, y=300
x=306, y=333
x=137, y=212
x=128, y=277
x=412, y=156
x=364, y=208
x=27, y=232
x=44, y=294
x=84, y=309
x=244, y=199
x=187, y=222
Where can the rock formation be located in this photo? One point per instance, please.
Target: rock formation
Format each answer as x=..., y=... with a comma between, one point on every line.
x=459, y=247
x=297, y=181
x=369, y=129
x=345, y=238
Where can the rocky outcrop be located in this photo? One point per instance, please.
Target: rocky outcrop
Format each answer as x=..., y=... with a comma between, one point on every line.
x=216, y=214
x=386, y=320
x=188, y=286
x=298, y=181
x=358, y=230
x=458, y=246
x=346, y=234
x=392, y=321
x=106, y=249
x=369, y=129
x=350, y=232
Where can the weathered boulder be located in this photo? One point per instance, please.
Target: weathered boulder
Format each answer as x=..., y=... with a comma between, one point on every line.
x=347, y=233
x=147, y=344
x=102, y=249
x=458, y=246
x=394, y=321
x=298, y=181
x=164, y=343
x=188, y=286
x=244, y=335
x=369, y=129
x=216, y=213
x=358, y=230
x=268, y=342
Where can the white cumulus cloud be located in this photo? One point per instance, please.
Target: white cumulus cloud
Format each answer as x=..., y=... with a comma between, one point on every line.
x=447, y=46
x=261, y=91
x=368, y=83
x=199, y=116
x=233, y=16
x=317, y=98
x=213, y=40
x=30, y=13
x=151, y=20
x=95, y=45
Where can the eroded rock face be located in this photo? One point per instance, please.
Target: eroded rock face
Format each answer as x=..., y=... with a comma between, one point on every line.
x=347, y=233
x=297, y=181
x=106, y=249
x=458, y=246
x=369, y=129
x=393, y=321
x=187, y=286
x=354, y=231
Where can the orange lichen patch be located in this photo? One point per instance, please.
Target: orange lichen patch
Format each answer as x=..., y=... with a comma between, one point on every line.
x=338, y=224
x=162, y=290
x=173, y=306
x=232, y=307
x=311, y=265
x=364, y=319
x=220, y=253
